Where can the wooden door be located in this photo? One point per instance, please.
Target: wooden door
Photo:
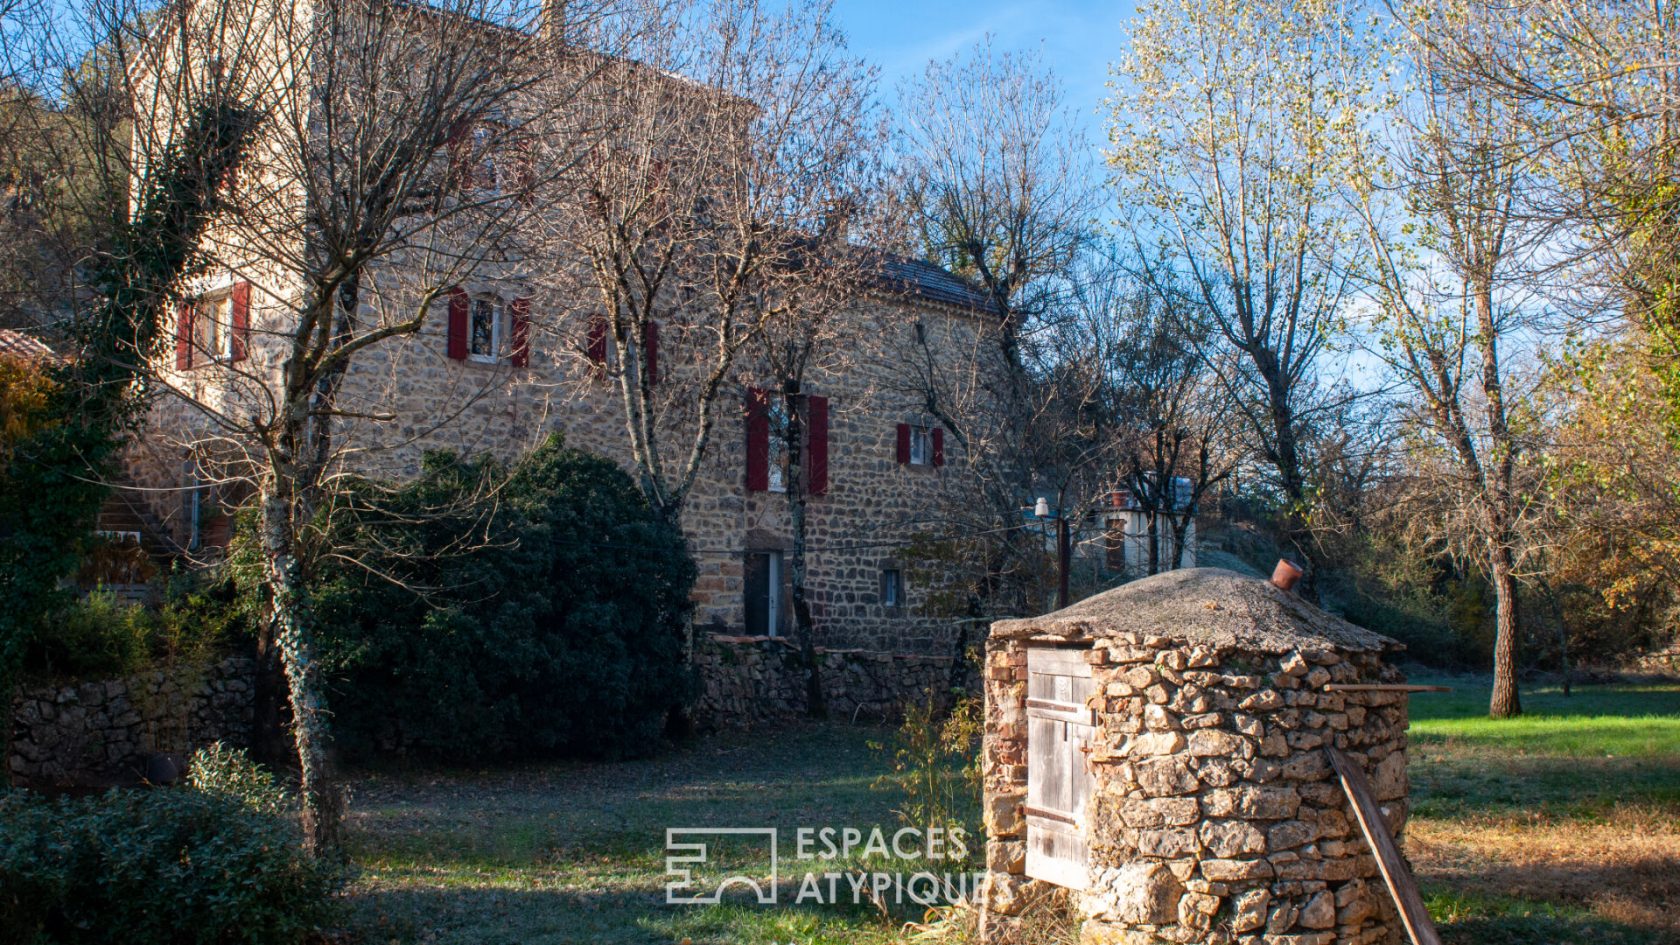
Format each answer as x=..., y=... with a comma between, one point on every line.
x=1060, y=726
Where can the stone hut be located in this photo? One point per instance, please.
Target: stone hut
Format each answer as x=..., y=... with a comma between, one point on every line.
x=1159, y=750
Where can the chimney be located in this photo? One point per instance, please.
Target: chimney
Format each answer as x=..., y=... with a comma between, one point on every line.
x=552, y=26
x=1286, y=574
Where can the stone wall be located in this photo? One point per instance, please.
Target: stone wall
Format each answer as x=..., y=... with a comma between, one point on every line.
x=750, y=681
x=873, y=512
x=101, y=733
x=1217, y=818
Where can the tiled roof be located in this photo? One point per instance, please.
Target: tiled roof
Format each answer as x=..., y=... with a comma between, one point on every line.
x=926, y=280
x=22, y=347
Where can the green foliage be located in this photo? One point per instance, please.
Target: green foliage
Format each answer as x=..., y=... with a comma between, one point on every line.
x=220, y=771
x=934, y=764
x=176, y=867
x=101, y=636
x=497, y=612
x=1440, y=614
x=51, y=483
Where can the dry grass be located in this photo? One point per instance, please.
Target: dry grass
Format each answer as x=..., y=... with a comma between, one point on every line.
x=1561, y=827
x=1624, y=870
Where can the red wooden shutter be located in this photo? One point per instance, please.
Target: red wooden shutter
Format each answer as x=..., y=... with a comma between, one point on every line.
x=459, y=316
x=938, y=446
x=597, y=347
x=184, y=337
x=241, y=322
x=650, y=350
x=519, y=354
x=816, y=447
x=903, y=444
x=459, y=147
x=758, y=440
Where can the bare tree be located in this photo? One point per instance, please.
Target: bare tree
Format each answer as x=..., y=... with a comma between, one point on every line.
x=996, y=183
x=1229, y=130
x=820, y=331
x=1455, y=311
x=373, y=185
x=1174, y=436
x=728, y=130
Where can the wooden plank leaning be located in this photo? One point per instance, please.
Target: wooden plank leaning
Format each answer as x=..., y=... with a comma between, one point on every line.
x=1394, y=870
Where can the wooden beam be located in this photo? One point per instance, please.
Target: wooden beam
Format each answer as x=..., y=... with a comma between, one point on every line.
x=1382, y=687
x=1395, y=873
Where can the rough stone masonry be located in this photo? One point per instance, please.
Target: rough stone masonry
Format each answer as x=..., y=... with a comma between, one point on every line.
x=1213, y=815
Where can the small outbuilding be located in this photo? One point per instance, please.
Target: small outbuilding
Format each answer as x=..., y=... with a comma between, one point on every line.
x=1160, y=750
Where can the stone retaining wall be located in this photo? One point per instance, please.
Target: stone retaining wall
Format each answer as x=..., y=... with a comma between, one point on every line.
x=749, y=681
x=100, y=733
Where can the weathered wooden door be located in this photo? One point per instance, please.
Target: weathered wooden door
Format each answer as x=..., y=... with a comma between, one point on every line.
x=1060, y=725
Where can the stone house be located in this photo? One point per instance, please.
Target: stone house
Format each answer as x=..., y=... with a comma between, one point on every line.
x=502, y=361
x=1126, y=531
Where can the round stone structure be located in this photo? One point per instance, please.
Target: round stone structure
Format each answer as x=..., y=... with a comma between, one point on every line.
x=1159, y=751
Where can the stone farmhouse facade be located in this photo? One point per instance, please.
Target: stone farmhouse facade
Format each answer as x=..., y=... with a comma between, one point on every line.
x=501, y=363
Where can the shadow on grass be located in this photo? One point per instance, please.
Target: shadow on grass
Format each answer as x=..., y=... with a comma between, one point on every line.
x=1470, y=918
x=487, y=915
x=515, y=818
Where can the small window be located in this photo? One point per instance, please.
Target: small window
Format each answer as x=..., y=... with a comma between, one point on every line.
x=892, y=587
x=484, y=334
x=778, y=444
x=213, y=325
x=484, y=170
x=921, y=446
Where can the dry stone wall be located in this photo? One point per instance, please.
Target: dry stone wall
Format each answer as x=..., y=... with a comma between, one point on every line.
x=1218, y=819
x=101, y=733
x=751, y=681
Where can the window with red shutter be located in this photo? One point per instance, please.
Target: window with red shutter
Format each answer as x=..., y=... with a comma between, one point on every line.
x=938, y=446
x=459, y=147
x=596, y=347
x=650, y=351
x=816, y=447
x=904, y=444
x=184, y=337
x=519, y=354
x=758, y=440
x=459, y=315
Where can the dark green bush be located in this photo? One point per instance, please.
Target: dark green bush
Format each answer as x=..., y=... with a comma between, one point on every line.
x=177, y=867
x=501, y=612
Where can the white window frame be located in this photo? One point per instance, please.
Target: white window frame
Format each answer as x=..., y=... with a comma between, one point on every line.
x=921, y=445
x=215, y=309
x=497, y=318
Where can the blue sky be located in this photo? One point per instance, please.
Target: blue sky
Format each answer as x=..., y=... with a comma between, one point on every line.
x=1077, y=37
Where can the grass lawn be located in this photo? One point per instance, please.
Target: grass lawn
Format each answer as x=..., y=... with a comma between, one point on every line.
x=1560, y=827
x=576, y=853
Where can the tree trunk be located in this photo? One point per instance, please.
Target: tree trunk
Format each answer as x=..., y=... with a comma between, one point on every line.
x=323, y=797
x=816, y=703
x=1180, y=536
x=1505, y=703
x=1154, y=541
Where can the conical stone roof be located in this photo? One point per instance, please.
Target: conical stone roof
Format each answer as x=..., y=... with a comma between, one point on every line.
x=1209, y=607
